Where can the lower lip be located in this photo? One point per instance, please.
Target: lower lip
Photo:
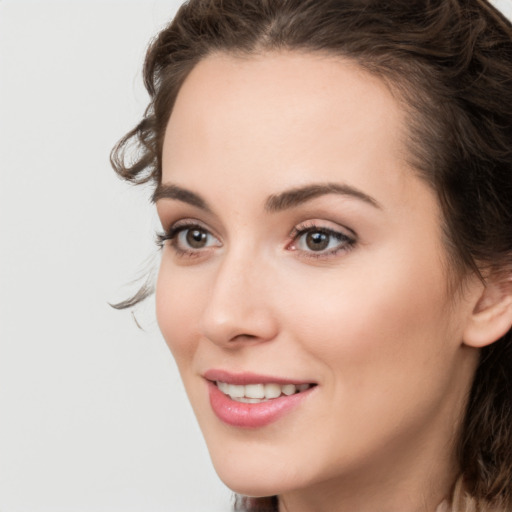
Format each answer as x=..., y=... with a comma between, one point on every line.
x=240, y=414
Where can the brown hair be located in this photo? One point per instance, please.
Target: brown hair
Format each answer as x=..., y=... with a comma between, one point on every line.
x=450, y=64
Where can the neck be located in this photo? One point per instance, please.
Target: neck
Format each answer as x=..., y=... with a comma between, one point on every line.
x=402, y=499
x=415, y=478
x=381, y=496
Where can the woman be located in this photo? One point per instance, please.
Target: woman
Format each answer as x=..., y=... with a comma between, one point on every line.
x=334, y=180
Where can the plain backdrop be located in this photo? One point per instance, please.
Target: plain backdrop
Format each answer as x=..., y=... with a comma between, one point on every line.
x=93, y=417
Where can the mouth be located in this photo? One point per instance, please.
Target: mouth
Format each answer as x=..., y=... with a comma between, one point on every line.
x=253, y=401
x=259, y=393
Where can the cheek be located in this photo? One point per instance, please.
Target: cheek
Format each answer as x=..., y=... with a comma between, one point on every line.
x=177, y=306
x=378, y=322
x=383, y=344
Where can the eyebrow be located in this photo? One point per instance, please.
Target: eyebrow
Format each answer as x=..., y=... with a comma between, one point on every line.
x=299, y=195
x=180, y=194
x=275, y=203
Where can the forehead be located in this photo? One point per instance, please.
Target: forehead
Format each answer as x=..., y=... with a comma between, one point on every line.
x=282, y=116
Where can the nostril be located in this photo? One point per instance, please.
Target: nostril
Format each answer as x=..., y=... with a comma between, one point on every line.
x=244, y=337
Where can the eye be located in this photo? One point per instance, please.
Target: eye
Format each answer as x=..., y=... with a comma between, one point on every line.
x=194, y=238
x=316, y=240
x=188, y=239
x=320, y=241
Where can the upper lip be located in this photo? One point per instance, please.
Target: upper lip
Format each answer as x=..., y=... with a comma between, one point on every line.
x=242, y=378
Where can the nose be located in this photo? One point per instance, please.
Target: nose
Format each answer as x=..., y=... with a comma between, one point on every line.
x=240, y=307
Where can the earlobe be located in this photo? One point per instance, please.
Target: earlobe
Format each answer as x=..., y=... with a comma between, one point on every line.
x=491, y=317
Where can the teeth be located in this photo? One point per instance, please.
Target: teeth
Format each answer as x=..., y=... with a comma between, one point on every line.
x=256, y=393
x=289, y=389
x=272, y=390
x=224, y=387
x=236, y=391
x=248, y=400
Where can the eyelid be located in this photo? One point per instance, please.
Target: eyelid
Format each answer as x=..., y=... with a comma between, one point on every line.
x=346, y=241
x=173, y=231
x=323, y=225
x=184, y=223
x=346, y=238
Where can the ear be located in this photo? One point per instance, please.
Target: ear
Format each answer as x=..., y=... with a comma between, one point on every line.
x=491, y=317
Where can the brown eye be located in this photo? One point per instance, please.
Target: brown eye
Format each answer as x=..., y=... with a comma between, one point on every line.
x=321, y=241
x=196, y=238
x=192, y=239
x=317, y=241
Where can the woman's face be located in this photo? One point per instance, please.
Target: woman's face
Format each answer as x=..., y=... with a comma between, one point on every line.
x=304, y=256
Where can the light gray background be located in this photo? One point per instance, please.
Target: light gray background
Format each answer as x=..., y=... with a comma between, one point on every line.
x=93, y=417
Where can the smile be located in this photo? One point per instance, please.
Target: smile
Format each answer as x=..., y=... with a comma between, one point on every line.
x=247, y=400
x=259, y=393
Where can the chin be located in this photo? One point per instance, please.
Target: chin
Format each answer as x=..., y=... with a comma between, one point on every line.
x=258, y=475
x=248, y=477
x=251, y=487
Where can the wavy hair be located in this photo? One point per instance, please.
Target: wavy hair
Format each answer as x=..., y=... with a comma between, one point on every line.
x=449, y=63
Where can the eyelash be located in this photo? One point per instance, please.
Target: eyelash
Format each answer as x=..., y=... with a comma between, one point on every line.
x=345, y=242
x=172, y=236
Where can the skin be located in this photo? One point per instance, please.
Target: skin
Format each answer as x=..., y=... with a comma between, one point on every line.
x=373, y=324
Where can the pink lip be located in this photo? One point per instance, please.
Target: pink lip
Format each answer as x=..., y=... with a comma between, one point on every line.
x=248, y=378
x=240, y=414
